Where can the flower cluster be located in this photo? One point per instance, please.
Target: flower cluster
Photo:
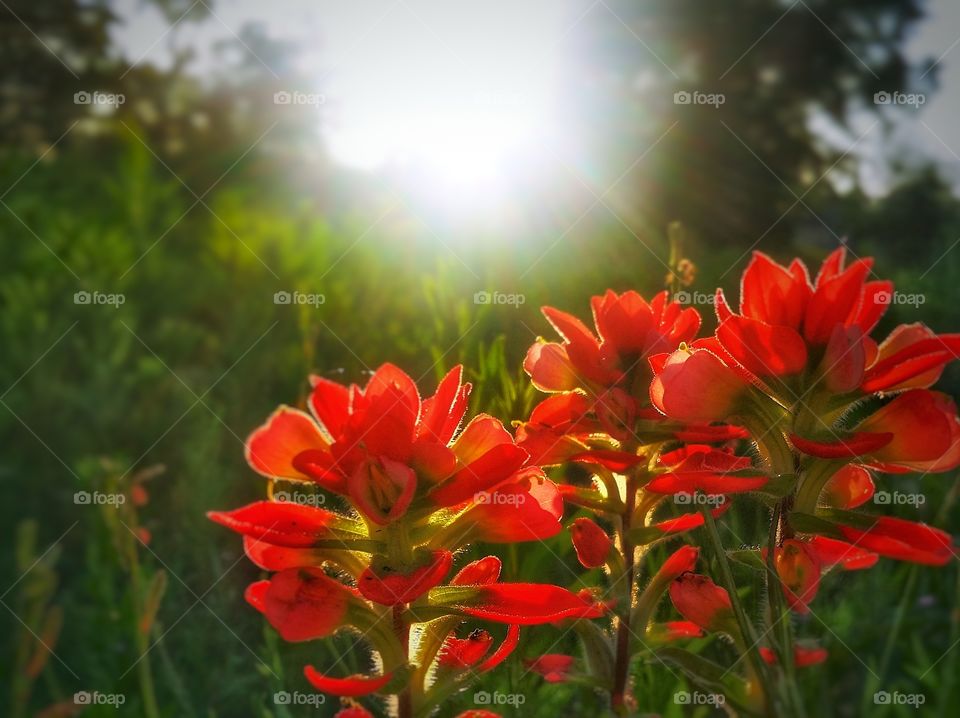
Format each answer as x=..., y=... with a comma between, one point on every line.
x=650, y=433
x=411, y=490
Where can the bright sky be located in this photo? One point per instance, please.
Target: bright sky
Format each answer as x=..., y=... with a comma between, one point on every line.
x=364, y=60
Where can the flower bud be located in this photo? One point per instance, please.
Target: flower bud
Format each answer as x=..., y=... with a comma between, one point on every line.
x=591, y=543
x=701, y=601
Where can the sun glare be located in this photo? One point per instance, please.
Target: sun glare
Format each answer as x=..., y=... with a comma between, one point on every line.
x=462, y=117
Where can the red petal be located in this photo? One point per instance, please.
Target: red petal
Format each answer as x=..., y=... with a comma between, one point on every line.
x=773, y=294
x=831, y=552
x=487, y=471
x=304, y=603
x=330, y=403
x=696, y=387
x=528, y=604
x=277, y=558
x=912, y=356
x=320, y=466
x=874, y=304
x=858, y=444
x=850, y=487
x=554, y=667
x=503, y=650
x=845, y=359
x=762, y=349
x=279, y=523
x=256, y=594
x=484, y=570
x=904, y=541
x=391, y=585
x=482, y=434
x=591, y=543
x=438, y=410
x=549, y=368
x=382, y=490
x=721, y=306
x=348, y=687
x=462, y=653
x=925, y=428
x=686, y=522
x=701, y=601
x=688, y=483
x=681, y=561
x=581, y=346
x=271, y=448
x=526, y=509
x=834, y=301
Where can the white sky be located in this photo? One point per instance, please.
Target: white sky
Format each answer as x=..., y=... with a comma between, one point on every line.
x=363, y=58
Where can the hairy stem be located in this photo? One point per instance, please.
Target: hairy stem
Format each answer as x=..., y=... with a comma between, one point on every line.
x=757, y=666
x=402, y=631
x=621, y=671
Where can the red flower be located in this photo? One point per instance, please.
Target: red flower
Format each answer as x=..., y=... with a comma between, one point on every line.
x=802, y=657
x=462, y=653
x=903, y=540
x=554, y=667
x=799, y=570
x=349, y=687
x=850, y=487
x=630, y=329
x=697, y=467
x=695, y=386
x=302, y=603
x=526, y=508
x=388, y=584
x=925, y=432
x=525, y=604
x=384, y=447
x=284, y=524
x=673, y=631
x=701, y=601
x=831, y=552
x=591, y=543
x=484, y=570
x=911, y=357
x=681, y=561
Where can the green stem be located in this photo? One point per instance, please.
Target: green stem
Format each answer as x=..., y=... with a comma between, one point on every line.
x=759, y=668
x=621, y=671
x=402, y=631
x=780, y=614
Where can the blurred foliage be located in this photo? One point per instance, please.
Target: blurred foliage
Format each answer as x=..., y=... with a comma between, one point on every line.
x=190, y=204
